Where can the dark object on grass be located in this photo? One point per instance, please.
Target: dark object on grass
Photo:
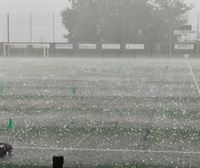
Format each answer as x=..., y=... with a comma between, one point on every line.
x=58, y=161
x=147, y=133
x=5, y=149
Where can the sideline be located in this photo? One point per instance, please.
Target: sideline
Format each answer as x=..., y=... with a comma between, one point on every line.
x=192, y=73
x=108, y=150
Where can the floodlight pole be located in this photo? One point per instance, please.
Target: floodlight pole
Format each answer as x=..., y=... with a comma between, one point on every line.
x=198, y=25
x=31, y=27
x=53, y=27
x=198, y=33
x=171, y=19
x=170, y=39
x=8, y=27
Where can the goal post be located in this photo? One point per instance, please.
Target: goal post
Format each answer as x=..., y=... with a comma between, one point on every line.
x=44, y=46
x=25, y=48
x=7, y=47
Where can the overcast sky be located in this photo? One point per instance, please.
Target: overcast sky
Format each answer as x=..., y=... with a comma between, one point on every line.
x=24, y=6
x=42, y=18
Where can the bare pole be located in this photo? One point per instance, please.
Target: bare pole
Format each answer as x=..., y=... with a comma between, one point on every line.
x=31, y=31
x=8, y=27
x=198, y=33
x=53, y=27
x=198, y=25
x=170, y=40
x=171, y=28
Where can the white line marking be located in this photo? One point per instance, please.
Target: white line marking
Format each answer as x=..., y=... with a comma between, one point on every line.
x=110, y=150
x=193, y=76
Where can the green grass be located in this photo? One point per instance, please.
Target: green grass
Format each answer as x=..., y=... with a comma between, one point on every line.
x=21, y=166
x=116, y=165
x=171, y=112
x=135, y=79
x=157, y=134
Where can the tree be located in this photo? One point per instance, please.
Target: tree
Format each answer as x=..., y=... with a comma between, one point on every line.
x=168, y=14
x=81, y=21
x=69, y=21
x=123, y=21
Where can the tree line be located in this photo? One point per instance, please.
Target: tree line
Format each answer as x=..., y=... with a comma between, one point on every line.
x=123, y=21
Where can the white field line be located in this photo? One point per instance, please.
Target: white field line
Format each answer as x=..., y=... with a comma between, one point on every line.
x=110, y=150
x=193, y=76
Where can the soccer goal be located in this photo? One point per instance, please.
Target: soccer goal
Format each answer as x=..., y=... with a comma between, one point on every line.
x=42, y=47
x=15, y=47
x=26, y=49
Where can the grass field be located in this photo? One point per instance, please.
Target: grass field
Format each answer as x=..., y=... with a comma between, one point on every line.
x=100, y=104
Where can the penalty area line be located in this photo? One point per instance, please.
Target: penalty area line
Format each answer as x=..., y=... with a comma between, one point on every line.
x=110, y=150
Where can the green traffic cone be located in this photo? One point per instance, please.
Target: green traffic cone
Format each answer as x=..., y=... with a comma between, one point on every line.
x=1, y=88
x=11, y=124
x=74, y=89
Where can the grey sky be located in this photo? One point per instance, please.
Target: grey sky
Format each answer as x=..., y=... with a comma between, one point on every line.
x=42, y=18
x=24, y=6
